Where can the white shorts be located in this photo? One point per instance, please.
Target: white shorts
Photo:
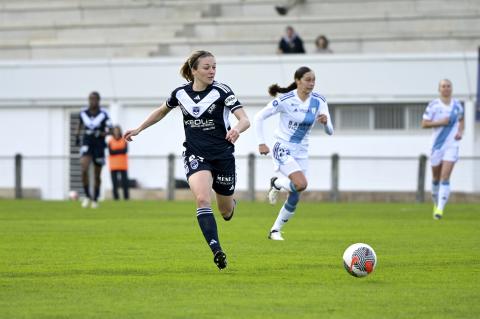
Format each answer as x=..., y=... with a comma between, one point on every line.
x=449, y=154
x=285, y=162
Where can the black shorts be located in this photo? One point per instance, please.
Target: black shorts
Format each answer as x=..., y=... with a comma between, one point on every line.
x=95, y=150
x=223, y=171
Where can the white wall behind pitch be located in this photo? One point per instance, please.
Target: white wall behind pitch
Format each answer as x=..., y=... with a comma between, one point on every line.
x=36, y=98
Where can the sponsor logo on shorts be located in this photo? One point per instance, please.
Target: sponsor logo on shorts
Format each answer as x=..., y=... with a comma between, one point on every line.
x=225, y=180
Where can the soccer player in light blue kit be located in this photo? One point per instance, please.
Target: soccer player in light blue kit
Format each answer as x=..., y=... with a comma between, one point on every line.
x=446, y=116
x=299, y=109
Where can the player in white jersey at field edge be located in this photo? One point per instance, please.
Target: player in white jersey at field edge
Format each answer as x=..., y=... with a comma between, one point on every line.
x=299, y=109
x=445, y=115
x=209, y=141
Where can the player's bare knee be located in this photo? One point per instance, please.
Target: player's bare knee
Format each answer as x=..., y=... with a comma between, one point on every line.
x=202, y=201
x=301, y=186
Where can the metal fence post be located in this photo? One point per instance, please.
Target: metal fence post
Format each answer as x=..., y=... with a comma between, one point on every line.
x=422, y=164
x=18, y=176
x=171, y=177
x=334, y=195
x=251, y=177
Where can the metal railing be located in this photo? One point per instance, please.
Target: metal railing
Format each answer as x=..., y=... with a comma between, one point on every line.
x=252, y=161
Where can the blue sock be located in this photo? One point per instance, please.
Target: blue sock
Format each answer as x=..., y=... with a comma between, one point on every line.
x=208, y=225
x=291, y=202
x=293, y=189
x=287, y=211
x=443, y=194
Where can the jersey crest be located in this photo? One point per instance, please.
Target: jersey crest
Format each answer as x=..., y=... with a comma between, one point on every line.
x=205, y=118
x=196, y=107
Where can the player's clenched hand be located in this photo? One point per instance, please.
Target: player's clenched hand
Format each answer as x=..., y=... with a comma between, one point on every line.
x=322, y=118
x=263, y=149
x=129, y=134
x=232, y=135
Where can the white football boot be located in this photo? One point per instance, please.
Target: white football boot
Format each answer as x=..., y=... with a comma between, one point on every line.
x=275, y=235
x=86, y=202
x=273, y=193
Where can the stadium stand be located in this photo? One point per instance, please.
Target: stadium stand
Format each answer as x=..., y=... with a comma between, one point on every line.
x=35, y=29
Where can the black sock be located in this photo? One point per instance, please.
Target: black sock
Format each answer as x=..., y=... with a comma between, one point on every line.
x=86, y=189
x=207, y=223
x=97, y=193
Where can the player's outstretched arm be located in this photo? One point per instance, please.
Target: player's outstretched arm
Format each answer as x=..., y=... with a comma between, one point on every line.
x=258, y=120
x=327, y=122
x=430, y=124
x=154, y=117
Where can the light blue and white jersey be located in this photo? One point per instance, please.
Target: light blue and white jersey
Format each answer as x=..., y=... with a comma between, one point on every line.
x=444, y=136
x=297, y=118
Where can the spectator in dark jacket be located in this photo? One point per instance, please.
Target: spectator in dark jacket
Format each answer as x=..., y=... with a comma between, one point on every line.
x=290, y=43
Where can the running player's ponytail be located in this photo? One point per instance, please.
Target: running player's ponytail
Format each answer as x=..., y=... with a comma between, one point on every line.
x=192, y=63
x=274, y=89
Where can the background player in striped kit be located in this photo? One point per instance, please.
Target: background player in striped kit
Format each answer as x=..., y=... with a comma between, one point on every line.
x=209, y=141
x=96, y=124
x=446, y=116
x=299, y=109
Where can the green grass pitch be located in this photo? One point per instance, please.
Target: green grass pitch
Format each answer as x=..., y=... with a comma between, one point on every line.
x=149, y=260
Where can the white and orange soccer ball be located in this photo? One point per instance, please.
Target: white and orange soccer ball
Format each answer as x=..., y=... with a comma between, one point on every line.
x=73, y=195
x=359, y=260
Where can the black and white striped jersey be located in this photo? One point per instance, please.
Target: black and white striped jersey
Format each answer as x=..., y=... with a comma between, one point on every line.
x=205, y=118
x=95, y=124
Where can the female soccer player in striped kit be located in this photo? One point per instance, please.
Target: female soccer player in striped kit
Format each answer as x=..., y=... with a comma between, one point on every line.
x=96, y=125
x=445, y=116
x=299, y=109
x=209, y=141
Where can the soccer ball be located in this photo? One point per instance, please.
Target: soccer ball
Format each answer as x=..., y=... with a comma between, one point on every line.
x=73, y=195
x=359, y=260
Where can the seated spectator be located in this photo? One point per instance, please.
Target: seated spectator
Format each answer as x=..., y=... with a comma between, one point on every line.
x=321, y=45
x=283, y=9
x=290, y=43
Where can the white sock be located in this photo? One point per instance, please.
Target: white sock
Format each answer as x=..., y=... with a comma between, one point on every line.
x=283, y=183
x=283, y=217
x=435, y=188
x=443, y=194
